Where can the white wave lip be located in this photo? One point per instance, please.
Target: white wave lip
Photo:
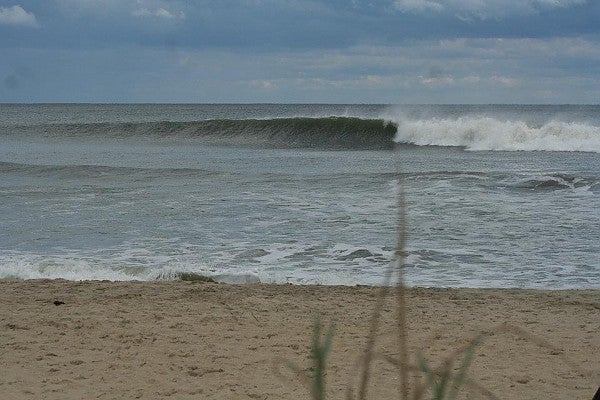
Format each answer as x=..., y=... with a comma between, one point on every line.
x=486, y=133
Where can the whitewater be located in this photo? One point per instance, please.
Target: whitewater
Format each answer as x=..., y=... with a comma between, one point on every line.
x=485, y=133
x=497, y=195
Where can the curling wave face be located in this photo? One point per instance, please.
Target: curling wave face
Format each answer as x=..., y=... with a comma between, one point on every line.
x=296, y=132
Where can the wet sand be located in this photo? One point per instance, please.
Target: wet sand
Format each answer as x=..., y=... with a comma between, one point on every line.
x=185, y=340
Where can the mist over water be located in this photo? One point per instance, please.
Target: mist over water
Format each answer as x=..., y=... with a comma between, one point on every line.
x=498, y=196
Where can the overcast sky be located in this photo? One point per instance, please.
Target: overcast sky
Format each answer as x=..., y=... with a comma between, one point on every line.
x=335, y=51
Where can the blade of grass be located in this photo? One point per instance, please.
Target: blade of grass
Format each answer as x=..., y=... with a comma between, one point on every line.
x=427, y=371
x=440, y=390
x=401, y=289
x=319, y=352
x=447, y=385
x=459, y=378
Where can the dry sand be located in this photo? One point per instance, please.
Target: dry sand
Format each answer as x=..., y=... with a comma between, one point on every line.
x=186, y=340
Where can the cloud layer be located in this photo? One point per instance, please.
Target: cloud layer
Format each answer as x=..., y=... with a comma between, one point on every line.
x=397, y=51
x=483, y=9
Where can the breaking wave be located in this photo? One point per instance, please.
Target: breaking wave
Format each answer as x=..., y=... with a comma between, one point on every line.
x=474, y=132
x=28, y=266
x=487, y=133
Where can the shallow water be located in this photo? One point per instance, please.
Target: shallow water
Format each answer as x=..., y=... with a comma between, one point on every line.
x=121, y=192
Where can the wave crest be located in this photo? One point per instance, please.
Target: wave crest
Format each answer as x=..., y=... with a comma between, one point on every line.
x=486, y=133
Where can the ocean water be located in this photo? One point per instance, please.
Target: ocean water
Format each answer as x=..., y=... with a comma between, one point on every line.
x=497, y=196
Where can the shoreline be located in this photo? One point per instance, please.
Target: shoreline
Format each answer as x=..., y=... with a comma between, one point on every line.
x=183, y=339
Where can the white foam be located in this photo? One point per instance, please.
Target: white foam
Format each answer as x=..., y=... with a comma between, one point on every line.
x=79, y=267
x=29, y=266
x=487, y=133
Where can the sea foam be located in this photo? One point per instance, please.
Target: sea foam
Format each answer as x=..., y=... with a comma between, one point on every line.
x=480, y=133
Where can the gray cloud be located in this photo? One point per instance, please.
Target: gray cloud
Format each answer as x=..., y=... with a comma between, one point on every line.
x=17, y=16
x=158, y=13
x=11, y=82
x=19, y=77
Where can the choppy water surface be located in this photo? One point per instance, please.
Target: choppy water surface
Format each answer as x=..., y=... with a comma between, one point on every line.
x=497, y=196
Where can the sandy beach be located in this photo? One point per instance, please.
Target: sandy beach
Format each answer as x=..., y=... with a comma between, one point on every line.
x=185, y=340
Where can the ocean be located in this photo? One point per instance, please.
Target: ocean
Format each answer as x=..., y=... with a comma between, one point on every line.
x=496, y=195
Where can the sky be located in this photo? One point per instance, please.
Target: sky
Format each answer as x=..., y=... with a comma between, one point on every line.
x=300, y=51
